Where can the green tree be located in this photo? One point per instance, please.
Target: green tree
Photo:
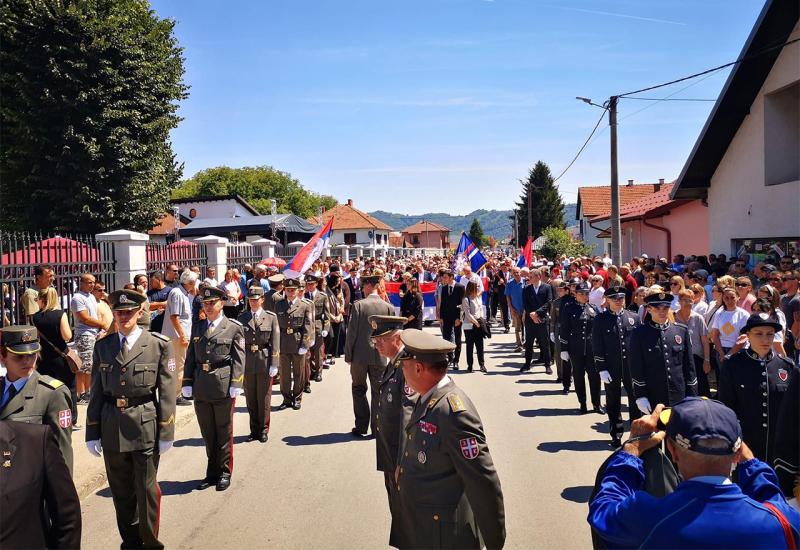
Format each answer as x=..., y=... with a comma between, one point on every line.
x=547, y=206
x=476, y=233
x=90, y=93
x=257, y=185
x=558, y=242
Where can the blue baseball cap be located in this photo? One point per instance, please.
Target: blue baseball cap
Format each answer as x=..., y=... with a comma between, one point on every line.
x=695, y=419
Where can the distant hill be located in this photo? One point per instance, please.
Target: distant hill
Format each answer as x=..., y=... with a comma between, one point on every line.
x=496, y=223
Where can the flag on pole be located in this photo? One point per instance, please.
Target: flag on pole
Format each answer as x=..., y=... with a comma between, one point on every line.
x=526, y=256
x=467, y=251
x=310, y=252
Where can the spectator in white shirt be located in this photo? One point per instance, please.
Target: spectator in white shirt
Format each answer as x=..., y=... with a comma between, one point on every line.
x=597, y=293
x=211, y=277
x=468, y=276
x=724, y=330
x=178, y=323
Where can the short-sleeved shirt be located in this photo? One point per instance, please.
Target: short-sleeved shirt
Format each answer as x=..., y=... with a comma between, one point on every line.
x=514, y=291
x=83, y=301
x=789, y=306
x=697, y=328
x=159, y=295
x=728, y=324
x=178, y=303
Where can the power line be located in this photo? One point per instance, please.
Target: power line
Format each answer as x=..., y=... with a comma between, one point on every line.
x=667, y=99
x=585, y=143
x=695, y=83
x=743, y=59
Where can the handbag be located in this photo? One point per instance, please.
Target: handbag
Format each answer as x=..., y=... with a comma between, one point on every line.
x=72, y=358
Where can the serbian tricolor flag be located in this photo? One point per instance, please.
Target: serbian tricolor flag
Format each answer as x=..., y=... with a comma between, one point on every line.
x=526, y=257
x=310, y=252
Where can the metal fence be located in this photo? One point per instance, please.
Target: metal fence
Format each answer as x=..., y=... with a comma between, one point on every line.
x=69, y=256
x=181, y=253
x=240, y=254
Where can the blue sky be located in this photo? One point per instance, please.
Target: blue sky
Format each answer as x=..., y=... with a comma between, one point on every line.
x=443, y=105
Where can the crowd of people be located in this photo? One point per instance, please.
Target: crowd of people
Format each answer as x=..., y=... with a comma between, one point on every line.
x=663, y=331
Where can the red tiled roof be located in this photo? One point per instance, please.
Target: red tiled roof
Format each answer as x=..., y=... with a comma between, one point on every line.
x=346, y=216
x=656, y=203
x=165, y=226
x=422, y=226
x=594, y=201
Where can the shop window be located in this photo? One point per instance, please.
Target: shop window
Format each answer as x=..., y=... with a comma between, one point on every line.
x=782, y=135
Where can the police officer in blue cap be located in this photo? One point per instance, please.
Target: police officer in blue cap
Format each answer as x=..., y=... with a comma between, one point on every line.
x=706, y=510
x=575, y=334
x=661, y=362
x=611, y=336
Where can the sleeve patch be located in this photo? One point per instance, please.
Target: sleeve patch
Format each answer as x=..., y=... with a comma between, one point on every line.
x=65, y=418
x=171, y=364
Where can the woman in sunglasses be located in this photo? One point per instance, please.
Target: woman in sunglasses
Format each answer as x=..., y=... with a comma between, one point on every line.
x=676, y=284
x=744, y=290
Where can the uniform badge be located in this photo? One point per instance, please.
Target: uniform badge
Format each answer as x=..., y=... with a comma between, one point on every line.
x=678, y=339
x=422, y=457
x=783, y=374
x=661, y=295
x=240, y=342
x=207, y=294
x=171, y=364
x=469, y=448
x=428, y=428
x=123, y=299
x=27, y=336
x=389, y=398
x=65, y=418
x=630, y=320
x=407, y=390
x=6, y=464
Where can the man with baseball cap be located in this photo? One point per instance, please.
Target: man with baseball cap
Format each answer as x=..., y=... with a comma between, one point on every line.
x=30, y=397
x=706, y=510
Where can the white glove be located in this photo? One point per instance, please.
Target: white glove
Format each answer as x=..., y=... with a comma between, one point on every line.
x=324, y=333
x=553, y=337
x=164, y=446
x=273, y=371
x=186, y=391
x=235, y=392
x=95, y=447
x=565, y=356
x=643, y=404
x=302, y=351
x=605, y=376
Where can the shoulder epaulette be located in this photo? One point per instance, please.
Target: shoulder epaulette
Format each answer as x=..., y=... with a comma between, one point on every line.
x=787, y=360
x=236, y=322
x=160, y=336
x=307, y=301
x=50, y=382
x=455, y=403
x=270, y=312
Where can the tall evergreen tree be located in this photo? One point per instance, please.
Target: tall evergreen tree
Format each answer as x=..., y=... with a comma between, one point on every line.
x=476, y=233
x=90, y=93
x=547, y=206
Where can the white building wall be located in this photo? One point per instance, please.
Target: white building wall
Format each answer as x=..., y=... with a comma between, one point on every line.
x=362, y=236
x=226, y=208
x=740, y=205
x=590, y=235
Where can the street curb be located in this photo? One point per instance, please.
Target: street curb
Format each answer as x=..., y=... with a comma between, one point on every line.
x=100, y=479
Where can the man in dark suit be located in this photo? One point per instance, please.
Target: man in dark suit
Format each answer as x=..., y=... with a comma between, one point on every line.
x=40, y=507
x=354, y=286
x=449, y=314
x=536, y=296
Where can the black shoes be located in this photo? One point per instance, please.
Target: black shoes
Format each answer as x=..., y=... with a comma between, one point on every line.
x=284, y=405
x=583, y=409
x=469, y=369
x=359, y=433
x=224, y=482
x=558, y=380
x=525, y=369
x=263, y=438
x=505, y=330
x=317, y=378
x=307, y=389
x=616, y=442
x=599, y=409
x=483, y=368
x=296, y=405
x=548, y=370
x=565, y=391
x=206, y=483
x=182, y=402
x=251, y=437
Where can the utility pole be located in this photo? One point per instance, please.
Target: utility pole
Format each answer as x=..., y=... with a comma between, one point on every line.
x=616, y=232
x=530, y=209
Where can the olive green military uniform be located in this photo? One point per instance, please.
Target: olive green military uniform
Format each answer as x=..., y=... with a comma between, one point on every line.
x=262, y=350
x=274, y=293
x=214, y=365
x=43, y=400
x=295, y=320
x=449, y=489
x=322, y=322
x=131, y=409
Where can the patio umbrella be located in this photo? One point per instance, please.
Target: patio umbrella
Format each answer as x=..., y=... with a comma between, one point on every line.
x=277, y=262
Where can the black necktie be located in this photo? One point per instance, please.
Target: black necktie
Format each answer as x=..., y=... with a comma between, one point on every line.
x=123, y=350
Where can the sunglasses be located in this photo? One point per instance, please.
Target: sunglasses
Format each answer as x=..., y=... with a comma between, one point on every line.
x=776, y=279
x=742, y=284
x=739, y=265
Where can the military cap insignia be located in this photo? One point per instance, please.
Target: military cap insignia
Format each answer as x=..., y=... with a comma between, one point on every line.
x=422, y=457
x=374, y=325
x=661, y=295
x=455, y=403
x=207, y=293
x=469, y=448
x=27, y=336
x=65, y=418
x=678, y=339
x=783, y=375
x=123, y=299
x=6, y=464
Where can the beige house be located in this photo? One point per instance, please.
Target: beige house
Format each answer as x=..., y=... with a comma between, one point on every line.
x=746, y=163
x=425, y=234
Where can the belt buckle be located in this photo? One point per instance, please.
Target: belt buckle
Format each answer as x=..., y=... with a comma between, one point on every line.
x=205, y=367
x=254, y=348
x=289, y=330
x=122, y=402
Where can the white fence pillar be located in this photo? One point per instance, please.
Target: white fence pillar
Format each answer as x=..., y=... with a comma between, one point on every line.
x=266, y=246
x=130, y=254
x=216, y=253
x=344, y=252
x=358, y=250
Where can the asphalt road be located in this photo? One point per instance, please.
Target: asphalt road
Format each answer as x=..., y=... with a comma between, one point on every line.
x=313, y=486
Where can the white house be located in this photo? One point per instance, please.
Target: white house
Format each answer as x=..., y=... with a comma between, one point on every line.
x=352, y=226
x=224, y=206
x=746, y=162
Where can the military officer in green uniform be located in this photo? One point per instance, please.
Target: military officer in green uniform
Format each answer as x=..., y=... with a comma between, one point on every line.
x=295, y=319
x=30, y=397
x=214, y=375
x=275, y=291
x=261, y=348
x=449, y=490
x=322, y=324
x=130, y=419
x=394, y=407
